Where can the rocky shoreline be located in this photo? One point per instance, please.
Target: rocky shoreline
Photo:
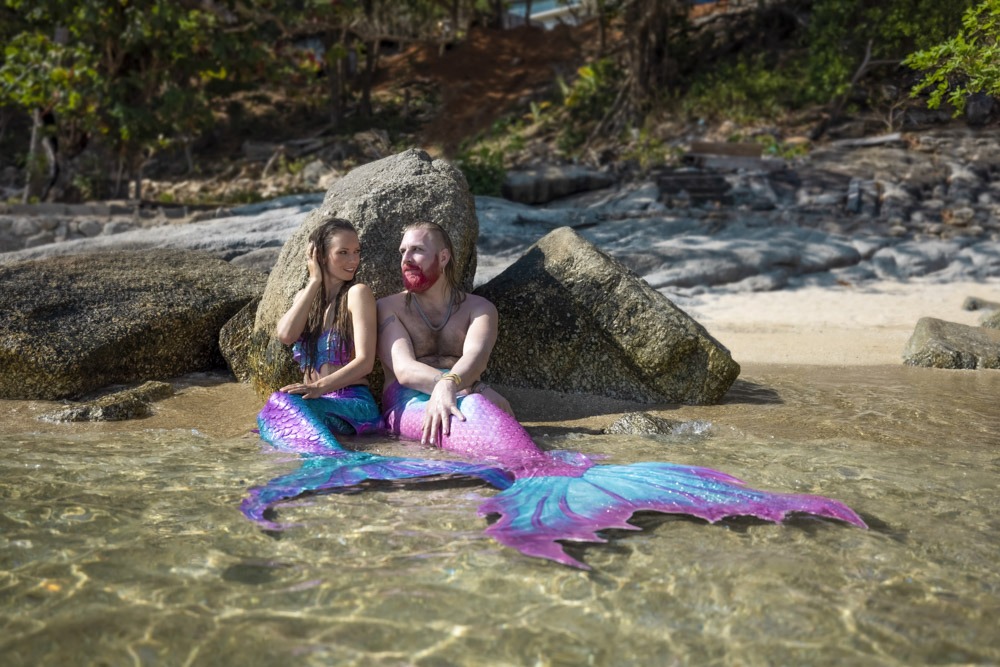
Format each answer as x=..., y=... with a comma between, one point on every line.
x=922, y=207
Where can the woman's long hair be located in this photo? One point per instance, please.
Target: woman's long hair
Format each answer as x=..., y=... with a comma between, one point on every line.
x=322, y=238
x=451, y=268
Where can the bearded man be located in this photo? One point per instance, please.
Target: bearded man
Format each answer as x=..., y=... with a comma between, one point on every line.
x=433, y=338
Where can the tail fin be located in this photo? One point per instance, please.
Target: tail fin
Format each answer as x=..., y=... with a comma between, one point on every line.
x=349, y=469
x=535, y=512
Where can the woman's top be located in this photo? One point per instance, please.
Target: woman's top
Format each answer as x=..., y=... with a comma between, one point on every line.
x=328, y=351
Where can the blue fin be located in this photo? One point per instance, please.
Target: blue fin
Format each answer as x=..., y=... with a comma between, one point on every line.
x=537, y=511
x=348, y=469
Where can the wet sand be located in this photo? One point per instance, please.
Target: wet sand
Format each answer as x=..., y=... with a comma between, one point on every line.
x=771, y=335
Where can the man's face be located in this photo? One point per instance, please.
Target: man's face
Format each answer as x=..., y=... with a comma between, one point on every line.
x=420, y=259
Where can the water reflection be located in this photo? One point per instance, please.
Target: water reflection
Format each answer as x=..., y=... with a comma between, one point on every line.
x=123, y=544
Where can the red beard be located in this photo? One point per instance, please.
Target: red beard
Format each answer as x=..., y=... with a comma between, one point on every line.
x=415, y=280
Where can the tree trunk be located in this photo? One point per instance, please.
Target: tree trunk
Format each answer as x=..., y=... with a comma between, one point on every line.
x=653, y=60
x=602, y=28
x=368, y=78
x=336, y=74
x=42, y=169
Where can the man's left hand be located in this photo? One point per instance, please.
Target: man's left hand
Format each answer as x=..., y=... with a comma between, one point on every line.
x=442, y=406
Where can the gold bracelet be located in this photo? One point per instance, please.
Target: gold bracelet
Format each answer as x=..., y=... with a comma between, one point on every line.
x=454, y=377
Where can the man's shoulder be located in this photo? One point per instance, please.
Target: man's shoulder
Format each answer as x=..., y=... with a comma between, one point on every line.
x=392, y=301
x=479, y=304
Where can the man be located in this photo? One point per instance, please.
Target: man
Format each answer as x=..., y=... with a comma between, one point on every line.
x=433, y=337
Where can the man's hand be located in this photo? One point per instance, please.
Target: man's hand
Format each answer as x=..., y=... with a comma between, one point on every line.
x=441, y=407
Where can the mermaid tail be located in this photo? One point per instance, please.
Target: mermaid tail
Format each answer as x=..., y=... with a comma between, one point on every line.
x=337, y=473
x=295, y=424
x=537, y=511
x=292, y=423
x=565, y=496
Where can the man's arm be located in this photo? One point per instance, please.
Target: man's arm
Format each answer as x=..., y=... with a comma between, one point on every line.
x=479, y=340
x=395, y=350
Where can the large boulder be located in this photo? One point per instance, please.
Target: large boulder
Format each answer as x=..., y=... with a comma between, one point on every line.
x=71, y=325
x=380, y=198
x=574, y=319
x=940, y=344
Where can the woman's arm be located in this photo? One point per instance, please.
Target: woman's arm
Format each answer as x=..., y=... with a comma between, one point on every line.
x=293, y=323
x=361, y=305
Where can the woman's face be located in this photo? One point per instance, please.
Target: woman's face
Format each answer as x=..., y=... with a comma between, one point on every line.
x=343, y=256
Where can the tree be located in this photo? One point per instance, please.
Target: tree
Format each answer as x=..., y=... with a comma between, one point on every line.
x=968, y=62
x=138, y=74
x=844, y=35
x=656, y=47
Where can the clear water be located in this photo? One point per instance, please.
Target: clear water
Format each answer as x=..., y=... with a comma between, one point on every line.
x=122, y=544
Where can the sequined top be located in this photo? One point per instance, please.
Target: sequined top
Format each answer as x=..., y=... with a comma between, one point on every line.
x=328, y=351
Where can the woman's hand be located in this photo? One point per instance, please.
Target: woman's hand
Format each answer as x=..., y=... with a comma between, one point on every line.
x=303, y=389
x=442, y=406
x=312, y=263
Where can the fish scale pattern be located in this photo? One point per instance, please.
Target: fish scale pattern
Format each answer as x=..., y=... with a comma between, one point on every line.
x=304, y=426
x=564, y=496
x=545, y=498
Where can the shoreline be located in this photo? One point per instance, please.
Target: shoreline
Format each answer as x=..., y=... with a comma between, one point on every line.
x=790, y=332
x=864, y=325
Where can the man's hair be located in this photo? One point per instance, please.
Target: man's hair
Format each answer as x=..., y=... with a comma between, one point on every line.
x=451, y=268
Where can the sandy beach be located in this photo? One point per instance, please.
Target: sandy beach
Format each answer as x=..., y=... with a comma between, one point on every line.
x=833, y=326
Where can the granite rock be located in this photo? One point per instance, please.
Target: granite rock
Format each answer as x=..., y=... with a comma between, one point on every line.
x=574, y=319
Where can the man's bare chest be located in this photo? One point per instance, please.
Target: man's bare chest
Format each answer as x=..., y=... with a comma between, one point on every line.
x=445, y=343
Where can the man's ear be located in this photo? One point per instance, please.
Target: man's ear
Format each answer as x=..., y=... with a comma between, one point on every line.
x=444, y=256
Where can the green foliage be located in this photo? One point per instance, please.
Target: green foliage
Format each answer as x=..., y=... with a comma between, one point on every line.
x=968, y=62
x=840, y=32
x=139, y=73
x=593, y=91
x=648, y=151
x=484, y=170
x=747, y=89
x=585, y=102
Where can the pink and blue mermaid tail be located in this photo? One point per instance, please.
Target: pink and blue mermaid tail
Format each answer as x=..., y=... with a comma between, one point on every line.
x=292, y=423
x=307, y=427
x=564, y=496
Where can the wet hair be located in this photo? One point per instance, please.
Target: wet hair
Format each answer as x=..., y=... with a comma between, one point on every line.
x=322, y=238
x=451, y=268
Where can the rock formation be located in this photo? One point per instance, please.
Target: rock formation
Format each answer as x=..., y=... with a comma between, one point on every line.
x=72, y=325
x=575, y=320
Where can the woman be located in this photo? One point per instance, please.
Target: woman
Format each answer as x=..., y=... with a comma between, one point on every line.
x=331, y=328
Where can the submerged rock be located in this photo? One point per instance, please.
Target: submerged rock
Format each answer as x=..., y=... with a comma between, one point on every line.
x=72, y=325
x=641, y=423
x=574, y=319
x=130, y=403
x=939, y=344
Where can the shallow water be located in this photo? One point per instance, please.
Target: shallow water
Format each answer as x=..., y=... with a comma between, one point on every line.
x=122, y=544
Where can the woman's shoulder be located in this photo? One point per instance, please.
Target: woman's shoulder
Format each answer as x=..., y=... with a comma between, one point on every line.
x=360, y=291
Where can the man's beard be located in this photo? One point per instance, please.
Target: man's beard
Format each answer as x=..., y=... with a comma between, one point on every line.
x=416, y=280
